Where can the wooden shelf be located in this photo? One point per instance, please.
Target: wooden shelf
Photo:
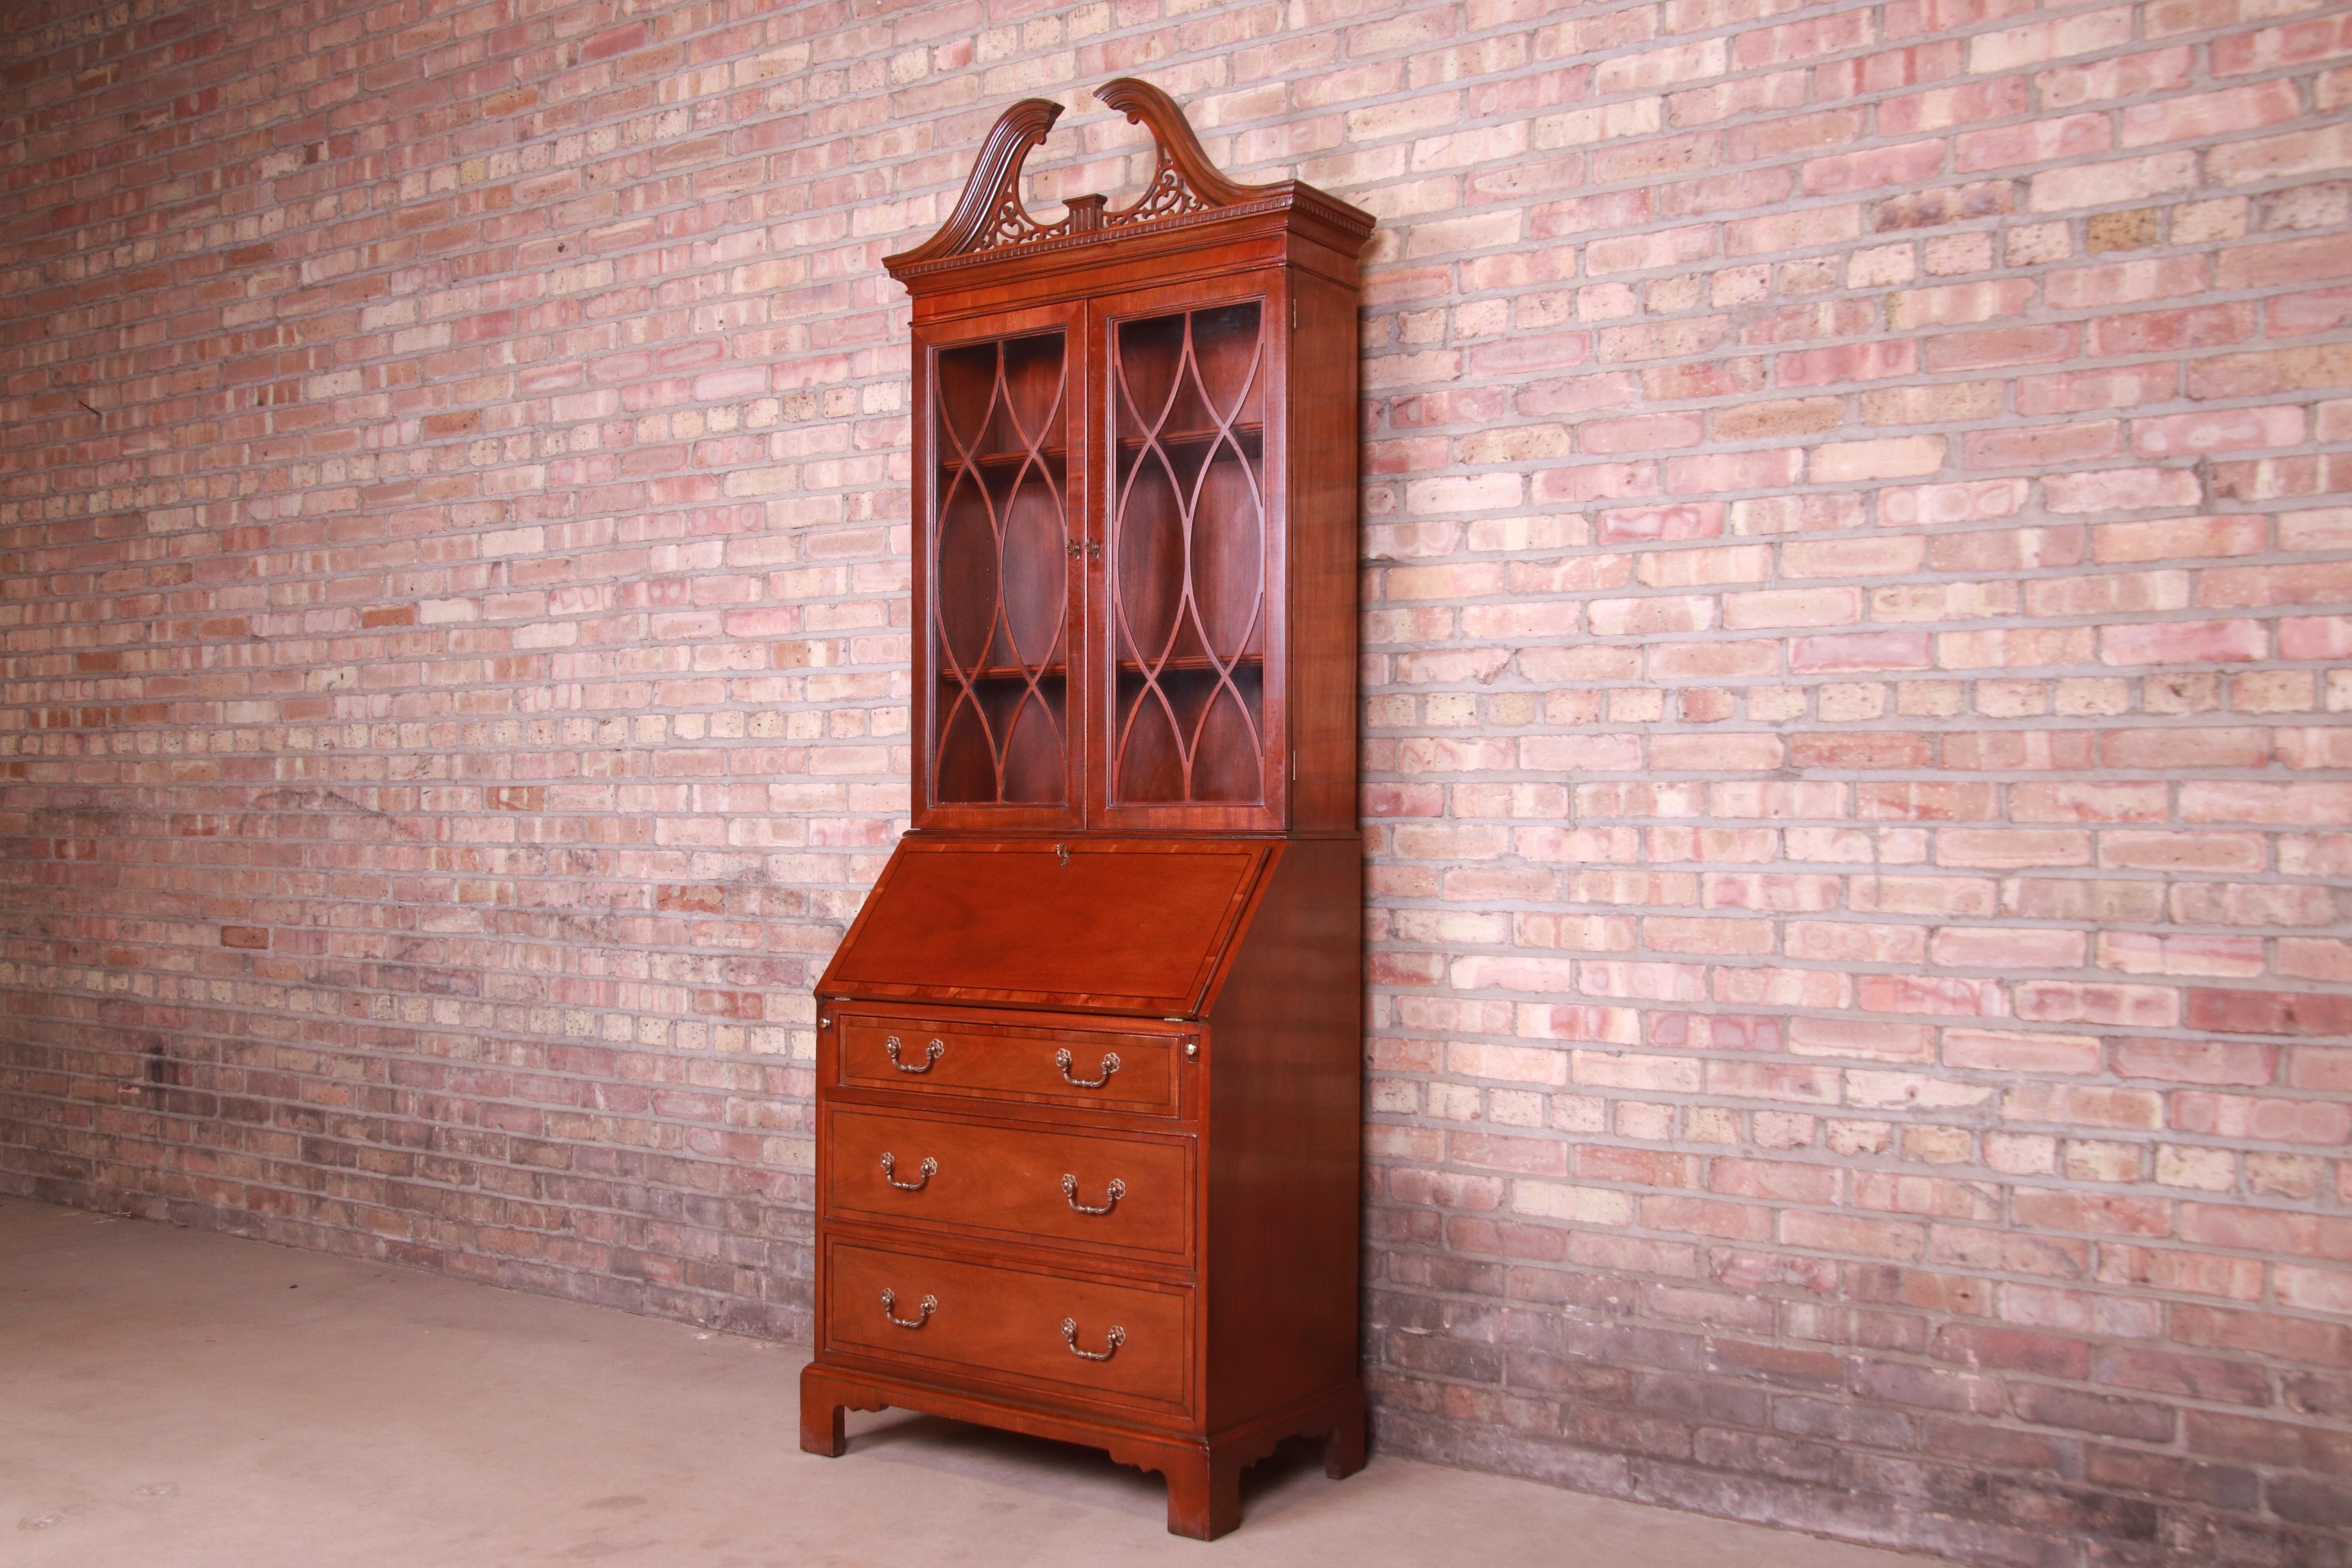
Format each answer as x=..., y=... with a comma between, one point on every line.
x=1248, y=435
x=1194, y=662
x=1252, y=438
x=1006, y=672
x=988, y=462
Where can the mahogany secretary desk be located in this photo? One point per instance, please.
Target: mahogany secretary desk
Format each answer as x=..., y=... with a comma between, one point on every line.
x=1089, y=1060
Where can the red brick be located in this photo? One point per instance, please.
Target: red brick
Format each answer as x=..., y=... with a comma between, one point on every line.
x=2313, y=1343
x=2267, y=1230
x=2095, y=1214
x=2011, y=1350
x=2143, y=1420
x=2206, y=114
x=1852, y=1235
x=2270, y=1012
x=2174, y=538
x=2183, y=642
x=1998, y=346
x=2158, y=332
x=2189, y=1376
x=2058, y=1000
x=1903, y=163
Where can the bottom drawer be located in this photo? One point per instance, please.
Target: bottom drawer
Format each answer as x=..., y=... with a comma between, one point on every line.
x=1011, y=1323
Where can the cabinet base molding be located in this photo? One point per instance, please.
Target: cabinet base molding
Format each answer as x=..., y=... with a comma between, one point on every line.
x=1204, y=1475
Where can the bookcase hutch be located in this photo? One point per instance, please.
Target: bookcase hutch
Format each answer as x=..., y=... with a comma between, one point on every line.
x=1089, y=1060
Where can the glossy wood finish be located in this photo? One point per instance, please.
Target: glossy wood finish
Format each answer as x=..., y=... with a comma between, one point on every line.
x=1014, y=1061
x=1124, y=943
x=1083, y=1190
x=1099, y=923
x=1130, y=1343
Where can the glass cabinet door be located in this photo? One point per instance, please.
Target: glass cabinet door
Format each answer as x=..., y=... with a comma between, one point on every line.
x=997, y=601
x=1190, y=604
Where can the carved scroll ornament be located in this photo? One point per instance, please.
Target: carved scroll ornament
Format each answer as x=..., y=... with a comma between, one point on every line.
x=989, y=216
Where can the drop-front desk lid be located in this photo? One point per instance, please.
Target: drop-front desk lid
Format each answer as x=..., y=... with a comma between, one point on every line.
x=1094, y=924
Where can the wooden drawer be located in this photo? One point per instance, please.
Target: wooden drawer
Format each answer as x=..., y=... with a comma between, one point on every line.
x=1011, y=1061
x=1002, y=1323
x=1026, y=1181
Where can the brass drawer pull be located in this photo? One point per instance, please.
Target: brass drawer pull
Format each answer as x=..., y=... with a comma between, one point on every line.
x=923, y=1173
x=931, y=1053
x=1116, y=1191
x=1115, y=1337
x=923, y=1311
x=1109, y=1066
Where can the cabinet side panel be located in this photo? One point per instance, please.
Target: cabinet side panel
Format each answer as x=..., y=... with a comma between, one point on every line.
x=1325, y=546
x=1284, y=1141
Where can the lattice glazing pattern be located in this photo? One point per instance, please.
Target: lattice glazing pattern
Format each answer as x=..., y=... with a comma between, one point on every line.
x=999, y=594
x=1187, y=558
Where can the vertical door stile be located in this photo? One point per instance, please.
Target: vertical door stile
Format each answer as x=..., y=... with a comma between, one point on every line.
x=1281, y=319
x=1090, y=431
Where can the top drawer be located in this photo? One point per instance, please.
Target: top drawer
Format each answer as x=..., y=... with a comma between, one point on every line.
x=1098, y=1069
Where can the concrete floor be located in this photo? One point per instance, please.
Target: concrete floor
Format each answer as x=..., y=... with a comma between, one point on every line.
x=174, y=1399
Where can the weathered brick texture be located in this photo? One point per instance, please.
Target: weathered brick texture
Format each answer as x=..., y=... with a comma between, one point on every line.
x=1857, y=558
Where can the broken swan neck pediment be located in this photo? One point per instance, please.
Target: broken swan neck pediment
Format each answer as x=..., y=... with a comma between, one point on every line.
x=990, y=216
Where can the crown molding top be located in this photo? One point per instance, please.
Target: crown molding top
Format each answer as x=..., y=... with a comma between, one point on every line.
x=990, y=218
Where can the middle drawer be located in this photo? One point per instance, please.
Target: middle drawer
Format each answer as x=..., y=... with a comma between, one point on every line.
x=1129, y=1193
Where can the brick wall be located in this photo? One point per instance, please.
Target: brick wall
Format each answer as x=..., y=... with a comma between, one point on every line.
x=1856, y=541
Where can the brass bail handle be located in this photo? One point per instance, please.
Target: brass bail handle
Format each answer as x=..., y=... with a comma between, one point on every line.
x=923, y=1173
x=1115, y=1337
x=1111, y=1195
x=923, y=1309
x=1109, y=1066
x=931, y=1053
